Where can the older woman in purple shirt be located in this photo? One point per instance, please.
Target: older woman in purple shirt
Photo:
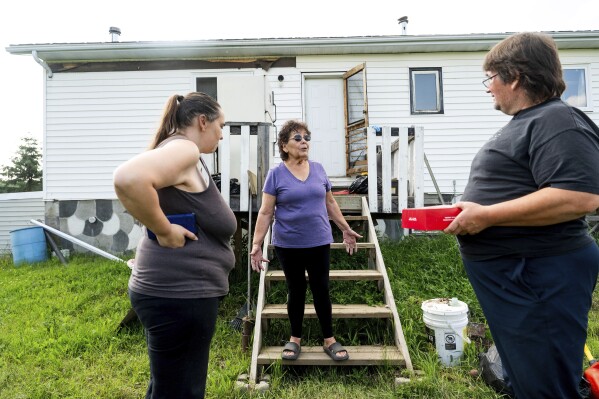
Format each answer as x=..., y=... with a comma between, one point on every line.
x=297, y=192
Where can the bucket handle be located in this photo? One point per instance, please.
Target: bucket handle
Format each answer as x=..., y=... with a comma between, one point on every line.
x=459, y=332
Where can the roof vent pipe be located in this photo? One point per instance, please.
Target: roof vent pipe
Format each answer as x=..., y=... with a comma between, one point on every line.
x=403, y=24
x=115, y=33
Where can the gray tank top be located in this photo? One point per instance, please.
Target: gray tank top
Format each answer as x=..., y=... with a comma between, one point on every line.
x=201, y=268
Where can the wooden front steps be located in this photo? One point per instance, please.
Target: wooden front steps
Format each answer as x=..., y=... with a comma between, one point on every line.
x=369, y=353
x=364, y=355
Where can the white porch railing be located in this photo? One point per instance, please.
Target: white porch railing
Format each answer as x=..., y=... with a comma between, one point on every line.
x=248, y=147
x=401, y=158
x=244, y=147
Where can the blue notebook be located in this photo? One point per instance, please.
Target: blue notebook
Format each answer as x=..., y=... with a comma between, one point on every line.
x=187, y=220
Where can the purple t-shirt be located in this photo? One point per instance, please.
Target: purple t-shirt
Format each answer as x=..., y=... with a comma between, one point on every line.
x=301, y=218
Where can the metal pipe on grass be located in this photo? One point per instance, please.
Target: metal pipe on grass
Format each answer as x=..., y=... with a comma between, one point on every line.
x=77, y=241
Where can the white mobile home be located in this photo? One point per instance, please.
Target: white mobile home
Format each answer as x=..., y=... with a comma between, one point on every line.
x=102, y=102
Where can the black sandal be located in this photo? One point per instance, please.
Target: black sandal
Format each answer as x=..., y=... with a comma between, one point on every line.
x=335, y=348
x=291, y=347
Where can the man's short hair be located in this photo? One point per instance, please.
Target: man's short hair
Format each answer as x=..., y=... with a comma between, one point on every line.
x=532, y=58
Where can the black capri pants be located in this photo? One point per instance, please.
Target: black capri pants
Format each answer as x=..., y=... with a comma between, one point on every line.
x=178, y=334
x=316, y=261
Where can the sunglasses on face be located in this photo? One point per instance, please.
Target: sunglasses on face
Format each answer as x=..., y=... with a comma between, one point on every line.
x=299, y=137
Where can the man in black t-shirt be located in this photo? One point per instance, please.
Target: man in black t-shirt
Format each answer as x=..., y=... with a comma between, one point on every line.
x=522, y=233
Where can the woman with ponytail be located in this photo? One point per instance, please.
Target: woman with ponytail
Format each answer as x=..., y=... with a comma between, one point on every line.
x=181, y=273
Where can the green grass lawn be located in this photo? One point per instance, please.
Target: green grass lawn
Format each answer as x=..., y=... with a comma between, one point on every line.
x=59, y=338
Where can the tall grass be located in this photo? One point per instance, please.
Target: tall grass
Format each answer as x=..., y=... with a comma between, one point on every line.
x=59, y=333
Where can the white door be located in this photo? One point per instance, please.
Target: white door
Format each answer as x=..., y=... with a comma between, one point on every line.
x=324, y=116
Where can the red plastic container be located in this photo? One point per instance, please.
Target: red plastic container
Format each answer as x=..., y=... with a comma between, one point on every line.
x=428, y=218
x=591, y=374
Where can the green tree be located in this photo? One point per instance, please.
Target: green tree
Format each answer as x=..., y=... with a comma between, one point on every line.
x=25, y=173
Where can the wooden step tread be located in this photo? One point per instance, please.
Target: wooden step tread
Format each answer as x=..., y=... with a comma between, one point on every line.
x=353, y=311
x=365, y=355
x=352, y=218
x=349, y=202
x=358, y=170
x=361, y=245
x=339, y=245
x=339, y=275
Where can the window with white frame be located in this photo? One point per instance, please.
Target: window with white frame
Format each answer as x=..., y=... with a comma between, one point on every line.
x=577, y=92
x=426, y=91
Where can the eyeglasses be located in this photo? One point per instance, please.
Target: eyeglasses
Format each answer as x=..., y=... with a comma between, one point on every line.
x=487, y=81
x=299, y=137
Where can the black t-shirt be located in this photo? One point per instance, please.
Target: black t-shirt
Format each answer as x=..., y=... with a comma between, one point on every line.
x=548, y=145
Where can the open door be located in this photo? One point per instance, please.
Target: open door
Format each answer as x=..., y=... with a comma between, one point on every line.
x=356, y=119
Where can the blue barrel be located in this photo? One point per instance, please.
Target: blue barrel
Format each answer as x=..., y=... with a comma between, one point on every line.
x=28, y=245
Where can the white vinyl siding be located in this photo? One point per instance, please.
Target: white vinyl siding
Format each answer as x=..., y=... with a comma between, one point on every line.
x=97, y=120
x=452, y=139
x=288, y=99
x=16, y=210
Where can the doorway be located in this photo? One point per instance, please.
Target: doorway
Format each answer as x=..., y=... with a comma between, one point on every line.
x=324, y=116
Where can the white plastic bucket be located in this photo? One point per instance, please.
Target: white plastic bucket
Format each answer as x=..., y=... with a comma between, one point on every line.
x=446, y=322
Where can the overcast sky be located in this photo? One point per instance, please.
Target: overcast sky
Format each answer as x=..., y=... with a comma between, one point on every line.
x=76, y=21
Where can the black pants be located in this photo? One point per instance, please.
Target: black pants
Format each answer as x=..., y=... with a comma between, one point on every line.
x=178, y=334
x=537, y=311
x=295, y=262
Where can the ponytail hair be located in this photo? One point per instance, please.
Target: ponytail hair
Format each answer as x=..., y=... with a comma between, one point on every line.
x=179, y=113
